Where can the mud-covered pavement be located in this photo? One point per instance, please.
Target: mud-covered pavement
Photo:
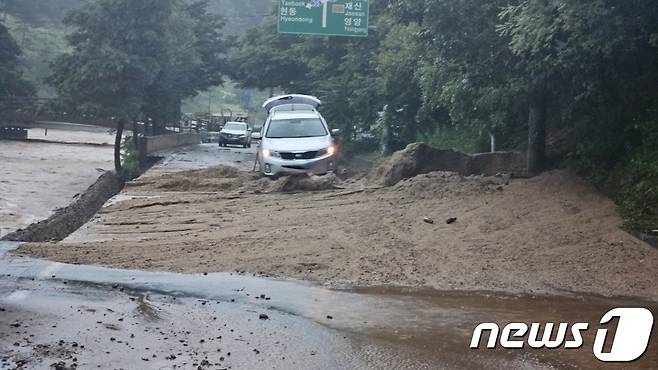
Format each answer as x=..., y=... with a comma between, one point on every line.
x=58, y=314
x=540, y=250
x=546, y=235
x=87, y=317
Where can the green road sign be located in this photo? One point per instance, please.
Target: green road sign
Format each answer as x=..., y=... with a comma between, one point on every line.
x=324, y=17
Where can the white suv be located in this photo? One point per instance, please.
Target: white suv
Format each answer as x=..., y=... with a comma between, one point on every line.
x=295, y=137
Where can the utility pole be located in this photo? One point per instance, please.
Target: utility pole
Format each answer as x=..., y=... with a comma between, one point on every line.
x=23, y=37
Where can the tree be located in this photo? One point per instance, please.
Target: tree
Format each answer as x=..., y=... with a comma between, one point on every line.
x=38, y=12
x=137, y=59
x=397, y=62
x=194, y=61
x=466, y=74
x=597, y=59
x=265, y=59
x=14, y=90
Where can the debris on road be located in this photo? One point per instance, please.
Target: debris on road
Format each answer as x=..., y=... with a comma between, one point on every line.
x=305, y=182
x=227, y=179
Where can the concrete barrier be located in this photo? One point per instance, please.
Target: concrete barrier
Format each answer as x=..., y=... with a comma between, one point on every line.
x=153, y=144
x=490, y=164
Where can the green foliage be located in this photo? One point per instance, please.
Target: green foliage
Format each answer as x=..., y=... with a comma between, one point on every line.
x=40, y=47
x=191, y=60
x=14, y=89
x=40, y=13
x=634, y=182
x=139, y=60
x=117, y=46
x=240, y=15
x=130, y=158
x=265, y=59
x=464, y=138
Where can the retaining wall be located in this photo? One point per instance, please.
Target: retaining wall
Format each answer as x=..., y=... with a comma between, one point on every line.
x=153, y=144
x=420, y=158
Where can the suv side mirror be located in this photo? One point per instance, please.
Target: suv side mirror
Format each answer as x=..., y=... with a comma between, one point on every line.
x=335, y=132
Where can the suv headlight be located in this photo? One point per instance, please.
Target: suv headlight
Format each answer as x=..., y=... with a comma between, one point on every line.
x=330, y=150
x=270, y=153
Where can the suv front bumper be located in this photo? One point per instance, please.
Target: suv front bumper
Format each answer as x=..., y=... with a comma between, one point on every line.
x=272, y=166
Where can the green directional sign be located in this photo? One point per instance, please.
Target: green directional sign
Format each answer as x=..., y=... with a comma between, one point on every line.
x=324, y=17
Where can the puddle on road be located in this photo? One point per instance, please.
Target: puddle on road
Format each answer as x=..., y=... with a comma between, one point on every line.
x=363, y=328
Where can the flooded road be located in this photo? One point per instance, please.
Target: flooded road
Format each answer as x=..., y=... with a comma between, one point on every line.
x=141, y=319
x=204, y=156
x=55, y=315
x=71, y=133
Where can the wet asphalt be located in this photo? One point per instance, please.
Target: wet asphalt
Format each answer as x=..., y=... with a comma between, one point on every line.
x=204, y=156
x=57, y=315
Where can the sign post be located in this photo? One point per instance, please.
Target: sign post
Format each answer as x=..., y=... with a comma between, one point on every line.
x=324, y=17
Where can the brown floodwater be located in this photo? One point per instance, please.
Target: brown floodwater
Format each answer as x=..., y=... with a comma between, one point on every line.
x=38, y=177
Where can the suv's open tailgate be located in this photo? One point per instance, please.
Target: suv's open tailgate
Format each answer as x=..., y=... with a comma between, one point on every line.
x=291, y=99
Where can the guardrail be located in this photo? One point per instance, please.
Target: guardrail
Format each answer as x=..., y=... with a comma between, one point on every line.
x=27, y=119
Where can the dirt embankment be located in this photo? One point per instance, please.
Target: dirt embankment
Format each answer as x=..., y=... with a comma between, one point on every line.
x=547, y=234
x=419, y=158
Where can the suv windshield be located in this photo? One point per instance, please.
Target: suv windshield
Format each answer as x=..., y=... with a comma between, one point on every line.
x=295, y=128
x=235, y=126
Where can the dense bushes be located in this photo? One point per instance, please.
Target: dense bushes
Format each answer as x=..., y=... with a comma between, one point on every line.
x=636, y=180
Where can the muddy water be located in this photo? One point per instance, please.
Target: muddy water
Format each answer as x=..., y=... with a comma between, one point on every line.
x=203, y=156
x=199, y=318
x=36, y=178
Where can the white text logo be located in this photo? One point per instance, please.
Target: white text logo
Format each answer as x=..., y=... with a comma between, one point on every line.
x=628, y=344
